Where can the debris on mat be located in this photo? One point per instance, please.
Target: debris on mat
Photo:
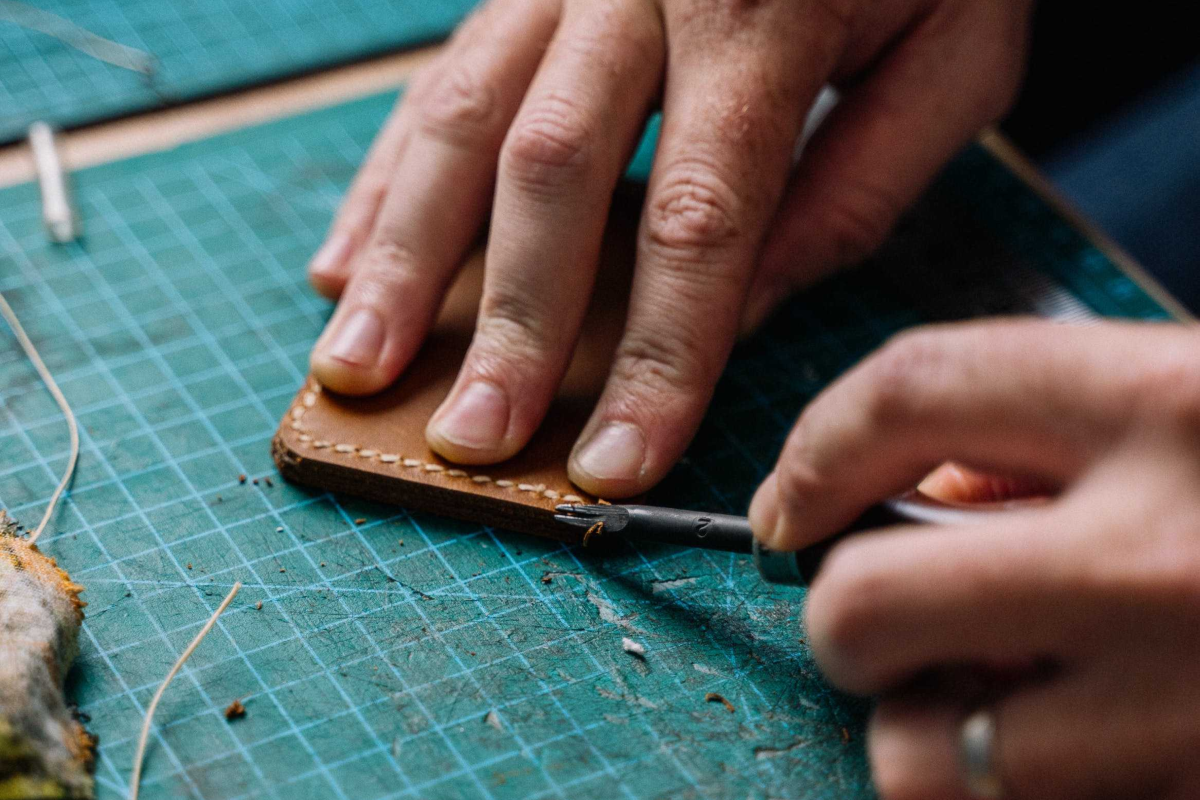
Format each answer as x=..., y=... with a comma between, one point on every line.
x=635, y=649
x=44, y=750
x=235, y=710
x=714, y=697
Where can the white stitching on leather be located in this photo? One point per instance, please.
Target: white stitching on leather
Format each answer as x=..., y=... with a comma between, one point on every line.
x=308, y=399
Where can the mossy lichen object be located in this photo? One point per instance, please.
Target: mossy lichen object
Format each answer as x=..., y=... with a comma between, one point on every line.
x=44, y=751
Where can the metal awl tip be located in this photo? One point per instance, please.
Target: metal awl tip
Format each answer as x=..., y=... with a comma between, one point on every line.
x=585, y=516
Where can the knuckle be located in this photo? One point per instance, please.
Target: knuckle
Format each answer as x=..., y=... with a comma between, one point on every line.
x=1165, y=566
x=388, y=267
x=797, y=477
x=662, y=364
x=551, y=144
x=856, y=220
x=514, y=327
x=902, y=374
x=693, y=210
x=459, y=106
x=840, y=616
x=1168, y=391
x=618, y=39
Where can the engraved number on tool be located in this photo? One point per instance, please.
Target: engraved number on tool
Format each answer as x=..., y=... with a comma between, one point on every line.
x=703, y=526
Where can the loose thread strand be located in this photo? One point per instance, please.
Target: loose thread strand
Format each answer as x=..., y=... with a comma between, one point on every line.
x=27, y=345
x=140, y=755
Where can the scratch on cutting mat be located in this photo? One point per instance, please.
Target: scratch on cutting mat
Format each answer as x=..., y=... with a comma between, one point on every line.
x=763, y=753
x=632, y=699
x=658, y=587
x=81, y=39
x=609, y=614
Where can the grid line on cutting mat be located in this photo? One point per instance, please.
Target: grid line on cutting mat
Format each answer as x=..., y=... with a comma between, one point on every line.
x=408, y=655
x=198, y=49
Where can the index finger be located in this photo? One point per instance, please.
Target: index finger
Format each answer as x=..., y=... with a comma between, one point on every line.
x=1027, y=397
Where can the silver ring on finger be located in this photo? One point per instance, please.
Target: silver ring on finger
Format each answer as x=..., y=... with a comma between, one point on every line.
x=977, y=756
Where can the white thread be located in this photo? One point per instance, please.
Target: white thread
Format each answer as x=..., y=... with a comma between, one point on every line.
x=481, y=479
x=368, y=453
x=140, y=754
x=345, y=448
x=26, y=343
x=572, y=498
x=389, y=458
x=434, y=468
x=411, y=462
x=503, y=484
x=526, y=487
x=456, y=473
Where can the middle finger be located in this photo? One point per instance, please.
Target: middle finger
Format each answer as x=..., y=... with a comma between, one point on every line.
x=558, y=168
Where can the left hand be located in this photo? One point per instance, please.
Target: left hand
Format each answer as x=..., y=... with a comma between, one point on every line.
x=532, y=111
x=1098, y=587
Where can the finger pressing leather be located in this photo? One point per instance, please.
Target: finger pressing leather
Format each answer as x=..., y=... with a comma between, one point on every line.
x=437, y=197
x=559, y=165
x=1021, y=397
x=732, y=110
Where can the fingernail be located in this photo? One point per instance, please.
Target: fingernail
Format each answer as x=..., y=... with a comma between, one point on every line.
x=357, y=339
x=764, y=511
x=330, y=256
x=477, y=418
x=614, y=453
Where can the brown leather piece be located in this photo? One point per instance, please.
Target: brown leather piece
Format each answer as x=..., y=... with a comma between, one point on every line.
x=375, y=447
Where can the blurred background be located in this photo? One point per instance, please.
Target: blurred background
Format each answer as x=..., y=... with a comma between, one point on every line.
x=1111, y=112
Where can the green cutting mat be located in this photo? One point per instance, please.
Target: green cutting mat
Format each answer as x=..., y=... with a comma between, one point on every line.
x=200, y=48
x=397, y=654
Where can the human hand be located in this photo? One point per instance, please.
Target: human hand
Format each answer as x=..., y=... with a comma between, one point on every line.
x=543, y=100
x=1098, y=588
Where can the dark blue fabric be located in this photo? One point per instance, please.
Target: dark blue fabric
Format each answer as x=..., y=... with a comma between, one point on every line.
x=1138, y=178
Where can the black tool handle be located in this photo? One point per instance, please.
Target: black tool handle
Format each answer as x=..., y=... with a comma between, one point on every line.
x=799, y=568
x=690, y=528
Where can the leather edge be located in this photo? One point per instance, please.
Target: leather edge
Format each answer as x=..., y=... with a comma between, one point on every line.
x=464, y=505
